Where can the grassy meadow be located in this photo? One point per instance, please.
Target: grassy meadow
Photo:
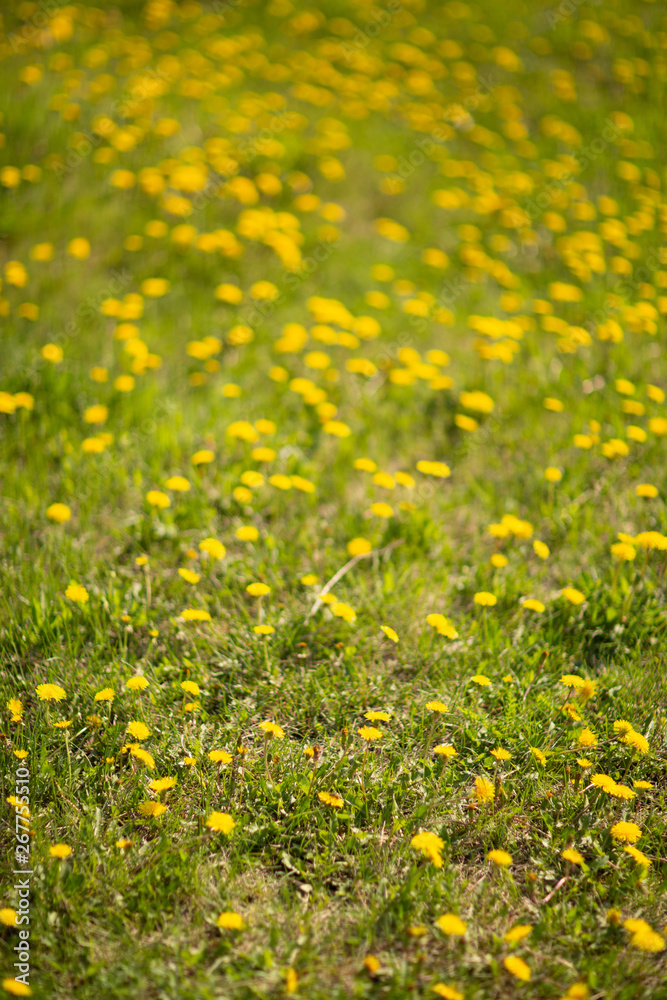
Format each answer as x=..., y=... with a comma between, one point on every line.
x=333, y=556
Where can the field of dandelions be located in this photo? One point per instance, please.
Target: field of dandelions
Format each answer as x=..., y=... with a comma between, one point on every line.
x=333, y=430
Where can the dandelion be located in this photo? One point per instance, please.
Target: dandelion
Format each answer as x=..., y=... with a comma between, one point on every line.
x=481, y=680
x=156, y=498
x=628, y=833
x=636, y=741
x=220, y=823
x=123, y=844
x=15, y=706
x=50, y=692
x=75, y=592
x=359, y=547
x=501, y=754
x=220, y=757
x=344, y=611
x=430, y=845
x=485, y=599
x=444, y=750
x=573, y=856
x=258, y=589
x=389, y=632
x=538, y=754
x=195, y=615
x=517, y=933
x=451, y=925
x=647, y=941
x=500, y=858
x=8, y=916
x=263, y=629
x=272, y=729
x=190, y=687
x=213, y=548
x=136, y=683
x=448, y=992
x=587, y=738
x=144, y=756
x=247, y=533
x=230, y=921
x=484, y=791
x=60, y=851
x=58, y=512
x=587, y=691
x=372, y=964
x=16, y=987
x=517, y=968
x=383, y=510
x=330, y=800
x=106, y=694
x=161, y=784
x=370, y=733
x=573, y=595
x=533, y=605
x=638, y=856
x=189, y=575
x=151, y=809
x=138, y=730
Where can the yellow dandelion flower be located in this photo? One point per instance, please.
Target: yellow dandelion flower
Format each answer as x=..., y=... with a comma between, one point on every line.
x=451, y=925
x=517, y=967
x=58, y=512
x=484, y=790
x=626, y=832
x=136, y=683
x=152, y=809
x=517, y=933
x=448, y=992
x=272, y=729
x=220, y=823
x=230, y=921
x=60, y=851
x=50, y=692
x=500, y=858
x=485, y=599
x=138, y=730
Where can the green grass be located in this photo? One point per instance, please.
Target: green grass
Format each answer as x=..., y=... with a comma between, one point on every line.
x=279, y=90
